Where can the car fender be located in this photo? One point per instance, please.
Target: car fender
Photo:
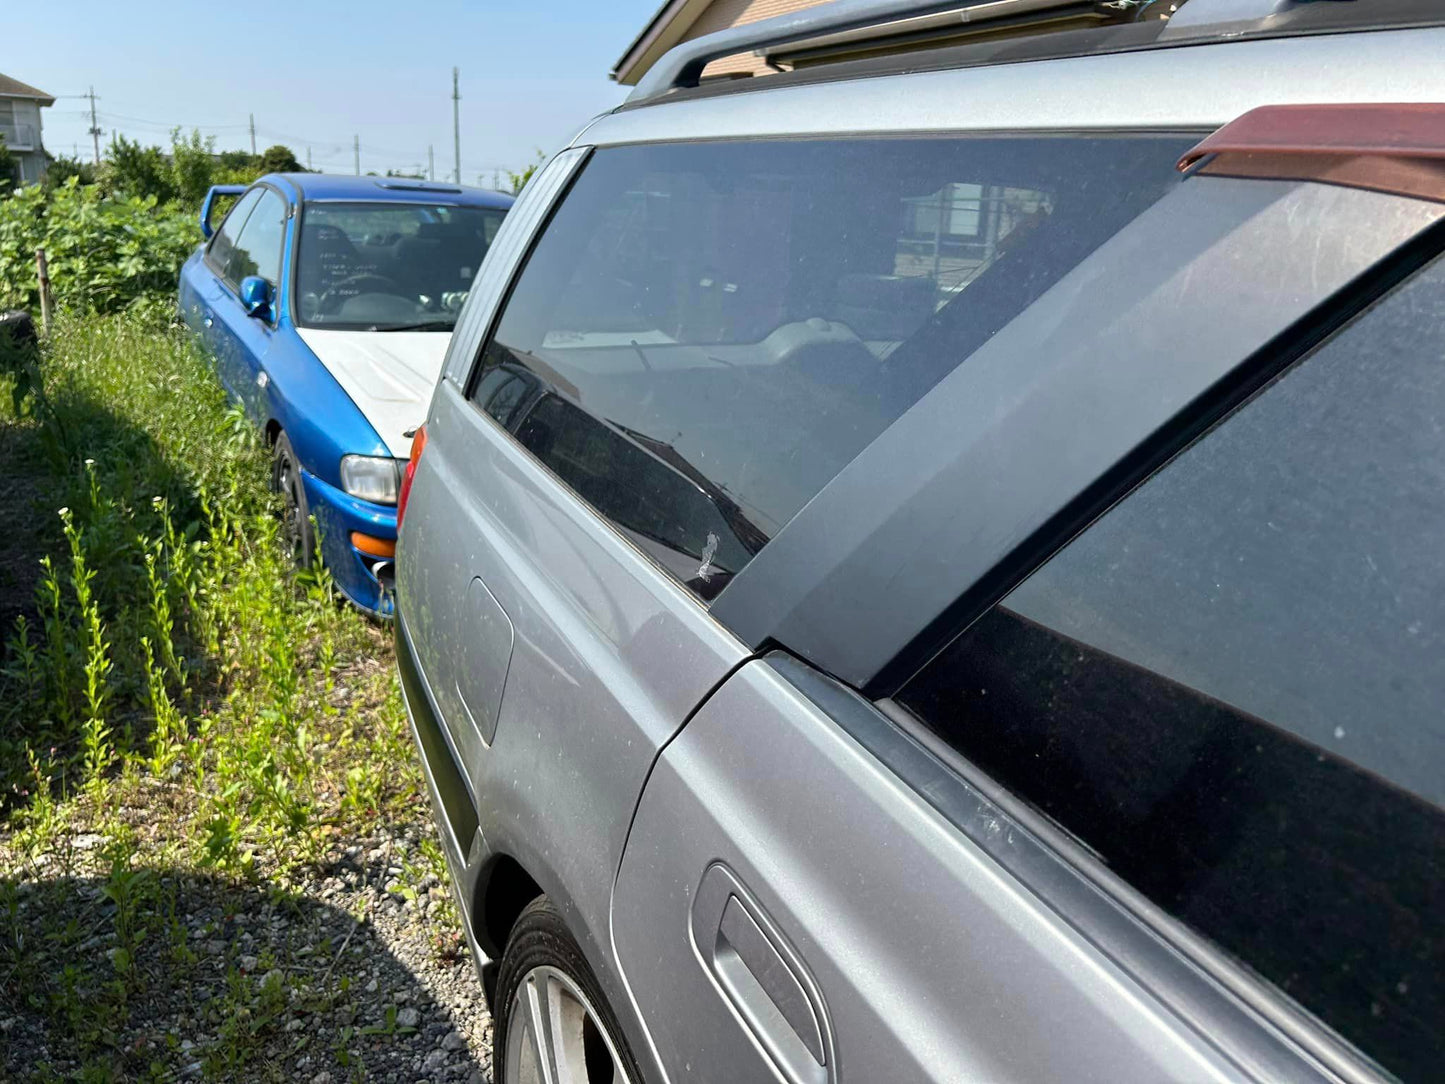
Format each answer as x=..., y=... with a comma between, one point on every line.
x=307, y=403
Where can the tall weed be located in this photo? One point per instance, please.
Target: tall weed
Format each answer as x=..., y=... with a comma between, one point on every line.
x=180, y=642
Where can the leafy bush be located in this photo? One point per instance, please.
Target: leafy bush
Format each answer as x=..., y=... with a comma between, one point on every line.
x=192, y=164
x=7, y=167
x=191, y=167
x=61, y=169
x=133, y=170
x=105, y=252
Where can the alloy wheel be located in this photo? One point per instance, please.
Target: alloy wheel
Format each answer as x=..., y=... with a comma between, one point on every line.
x=554, y=1036
x=292, y=534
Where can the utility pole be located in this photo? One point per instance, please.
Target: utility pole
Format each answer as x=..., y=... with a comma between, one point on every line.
x=456, y=127
x=94, y=125
x=497, y=179
x=308, y=157
x=356, y=150
x=431, y=164
x=253, y=135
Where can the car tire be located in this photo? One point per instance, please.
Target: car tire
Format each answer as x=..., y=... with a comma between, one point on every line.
x=296, y=531
x=544, y=981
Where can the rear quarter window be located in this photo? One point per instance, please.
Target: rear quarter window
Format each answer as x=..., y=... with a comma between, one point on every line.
x=718, y=329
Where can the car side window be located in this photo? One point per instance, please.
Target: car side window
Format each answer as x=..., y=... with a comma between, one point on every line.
x=218, y=255
x=1231, y=688
x=258, y=248
x=717, y=329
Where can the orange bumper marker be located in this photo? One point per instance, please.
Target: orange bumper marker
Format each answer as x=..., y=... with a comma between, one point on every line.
x=373, y=547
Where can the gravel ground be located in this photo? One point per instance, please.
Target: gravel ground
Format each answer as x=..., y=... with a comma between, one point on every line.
x=336, y=976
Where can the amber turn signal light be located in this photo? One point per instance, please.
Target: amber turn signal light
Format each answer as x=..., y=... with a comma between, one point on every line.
x=373, y=547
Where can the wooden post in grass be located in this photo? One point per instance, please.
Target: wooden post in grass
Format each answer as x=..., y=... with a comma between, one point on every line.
x=42, y=270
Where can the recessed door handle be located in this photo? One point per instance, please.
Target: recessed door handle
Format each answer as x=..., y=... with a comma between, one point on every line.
x=766, y=989
x=763, y=978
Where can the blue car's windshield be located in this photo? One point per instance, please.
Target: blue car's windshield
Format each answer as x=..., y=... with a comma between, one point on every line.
x=388, y=266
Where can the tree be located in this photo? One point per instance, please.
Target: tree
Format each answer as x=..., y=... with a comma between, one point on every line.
x=193, y=165
x=238, y=161
x=61, y=169
x=137, y=171
x=279, y=159
x=519, y=180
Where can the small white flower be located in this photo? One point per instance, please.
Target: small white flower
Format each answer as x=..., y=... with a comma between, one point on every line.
x=65, y=511
x=90, y=462
x=156, y=501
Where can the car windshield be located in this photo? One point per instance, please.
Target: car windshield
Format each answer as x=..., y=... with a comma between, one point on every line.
x=389, y=266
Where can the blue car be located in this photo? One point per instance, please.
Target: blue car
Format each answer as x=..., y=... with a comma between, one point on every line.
x=327, y=304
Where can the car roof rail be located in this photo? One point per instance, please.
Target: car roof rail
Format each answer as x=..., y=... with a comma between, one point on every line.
x=832, y=30
x=682, y=66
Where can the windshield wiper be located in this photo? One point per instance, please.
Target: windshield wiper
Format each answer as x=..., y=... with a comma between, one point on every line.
x=423, y=325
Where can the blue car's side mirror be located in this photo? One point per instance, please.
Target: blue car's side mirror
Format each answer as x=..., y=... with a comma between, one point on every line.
x=256, y=296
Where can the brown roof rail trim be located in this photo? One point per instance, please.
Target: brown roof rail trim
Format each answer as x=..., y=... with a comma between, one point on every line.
x=1417, y=178
x=1405, y=130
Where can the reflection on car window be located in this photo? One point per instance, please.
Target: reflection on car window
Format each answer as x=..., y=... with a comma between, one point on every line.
x=222, y=245
x=258, y=248
x=731, y=323
x=365, y=265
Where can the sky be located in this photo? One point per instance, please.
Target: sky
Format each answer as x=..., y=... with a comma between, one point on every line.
x=315, y=74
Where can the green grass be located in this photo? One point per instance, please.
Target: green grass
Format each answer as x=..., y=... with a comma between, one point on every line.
x=172, y=689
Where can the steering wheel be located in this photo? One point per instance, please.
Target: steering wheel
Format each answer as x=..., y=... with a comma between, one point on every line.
x=365, y=283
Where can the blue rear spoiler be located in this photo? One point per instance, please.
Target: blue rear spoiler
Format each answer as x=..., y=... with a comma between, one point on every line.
x=210, y=202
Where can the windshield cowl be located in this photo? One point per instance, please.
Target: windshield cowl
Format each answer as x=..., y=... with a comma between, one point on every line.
x=423, y=325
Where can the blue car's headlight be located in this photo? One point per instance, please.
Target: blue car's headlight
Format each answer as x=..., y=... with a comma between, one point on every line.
x=371, y=478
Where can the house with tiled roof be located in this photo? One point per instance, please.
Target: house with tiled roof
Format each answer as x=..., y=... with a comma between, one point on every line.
x=20, y=106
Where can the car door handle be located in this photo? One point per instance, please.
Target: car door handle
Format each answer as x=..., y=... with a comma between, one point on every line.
x=763, y=979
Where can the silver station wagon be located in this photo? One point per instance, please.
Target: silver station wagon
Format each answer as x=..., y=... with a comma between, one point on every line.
x=929, y=565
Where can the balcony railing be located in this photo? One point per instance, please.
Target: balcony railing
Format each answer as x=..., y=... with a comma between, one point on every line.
x=20, y=137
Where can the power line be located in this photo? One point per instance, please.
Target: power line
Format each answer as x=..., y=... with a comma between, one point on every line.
x=317, y=151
